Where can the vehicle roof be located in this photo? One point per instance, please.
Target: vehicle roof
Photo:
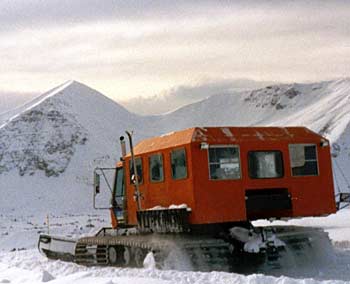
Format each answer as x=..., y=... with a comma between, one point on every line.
x=222, y=135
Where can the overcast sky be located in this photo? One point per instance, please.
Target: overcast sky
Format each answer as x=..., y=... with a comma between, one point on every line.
x=132, y=48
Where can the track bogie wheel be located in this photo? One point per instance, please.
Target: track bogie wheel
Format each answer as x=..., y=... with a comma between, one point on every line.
x=127, y=256
x=113, y=255
x=139, y=256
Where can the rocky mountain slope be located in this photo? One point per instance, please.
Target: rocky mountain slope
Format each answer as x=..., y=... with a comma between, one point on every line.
x=46, y=133
x=324, y=107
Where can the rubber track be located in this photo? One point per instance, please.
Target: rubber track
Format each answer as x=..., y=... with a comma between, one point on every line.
x=204, y=253
x=304, y=245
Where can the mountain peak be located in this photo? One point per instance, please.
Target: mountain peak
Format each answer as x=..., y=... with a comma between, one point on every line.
x=53, y=127
x=74, y=83
x=70, y=86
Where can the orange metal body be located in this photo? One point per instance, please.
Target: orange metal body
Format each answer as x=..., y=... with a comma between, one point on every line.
x=222, y=201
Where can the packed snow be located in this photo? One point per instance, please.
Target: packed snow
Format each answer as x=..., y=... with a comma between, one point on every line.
x=50, y=146
x=20, y=261
x=172, y=206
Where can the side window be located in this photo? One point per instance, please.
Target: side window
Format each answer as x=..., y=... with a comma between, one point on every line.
x=265, y=164
x=156, y=168
x=224, y=162
x=178, y=164
x=138, y=162
x=303, y=159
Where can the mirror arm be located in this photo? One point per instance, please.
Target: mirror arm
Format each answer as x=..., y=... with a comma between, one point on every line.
x=136, y=184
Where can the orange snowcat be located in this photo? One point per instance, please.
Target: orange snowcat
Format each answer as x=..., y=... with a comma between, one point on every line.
x=187, y=199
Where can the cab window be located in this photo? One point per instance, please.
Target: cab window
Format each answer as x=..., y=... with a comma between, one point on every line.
x=178, y=164
x=138, y=163
x=224, y=162
x=265, y=164
x=303, y=159
x=156, y=168
x=119, y=191
x=119, y=183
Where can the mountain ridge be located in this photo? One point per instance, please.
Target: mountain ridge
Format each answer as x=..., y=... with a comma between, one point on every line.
x=51, y=147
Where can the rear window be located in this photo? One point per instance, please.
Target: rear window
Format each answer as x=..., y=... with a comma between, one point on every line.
x=303, y=159
x=224, y=162
x=178, y=164
x=265, y=164
x=156, y=168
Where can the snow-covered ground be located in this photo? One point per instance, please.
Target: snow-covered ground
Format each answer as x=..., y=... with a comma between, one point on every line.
x=20, y=261
x=27, y=267
x=49, y=147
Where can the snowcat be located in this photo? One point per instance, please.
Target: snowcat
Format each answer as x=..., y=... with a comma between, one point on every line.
x=189, y=198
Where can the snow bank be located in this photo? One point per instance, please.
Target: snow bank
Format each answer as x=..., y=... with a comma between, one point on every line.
x=35, y=269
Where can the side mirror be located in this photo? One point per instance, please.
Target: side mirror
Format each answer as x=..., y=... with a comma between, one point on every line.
x=96, y=183
x=133, y=179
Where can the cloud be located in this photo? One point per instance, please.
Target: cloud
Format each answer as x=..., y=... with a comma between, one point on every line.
x=182, y=95
x=138, y=48
x=34, y=13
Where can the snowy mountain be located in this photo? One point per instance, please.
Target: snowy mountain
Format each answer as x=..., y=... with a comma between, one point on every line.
x=53, y=143
x=49, y=148
x=47, y=132
x=324, y=107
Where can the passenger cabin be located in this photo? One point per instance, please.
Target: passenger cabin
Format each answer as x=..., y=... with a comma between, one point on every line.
x=232, y=174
